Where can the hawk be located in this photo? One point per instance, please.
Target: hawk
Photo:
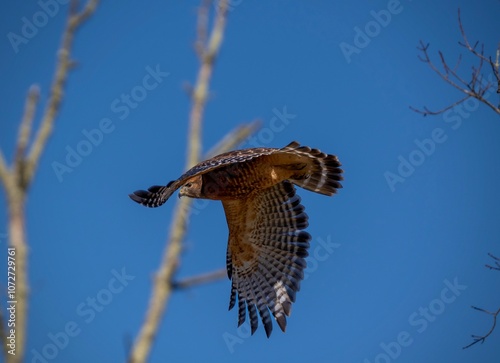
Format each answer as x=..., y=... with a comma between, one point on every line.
x=267, y=243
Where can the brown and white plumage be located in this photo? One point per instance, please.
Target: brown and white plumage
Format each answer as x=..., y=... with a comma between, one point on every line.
x=267, y=243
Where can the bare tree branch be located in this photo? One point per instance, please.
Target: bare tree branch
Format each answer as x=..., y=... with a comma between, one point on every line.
x=64, y=64
x=426, y=111
x=202, y=28
x=200, y=92
x=476, y=88
x=25, y=133
x=4, y=171
x=162, y=284
x=494, y=314
x=16, y=179
x=466, y=43
x=496, y=68
x=497, y=263
x=482, y=338
x=233, y=138
x=200, y=279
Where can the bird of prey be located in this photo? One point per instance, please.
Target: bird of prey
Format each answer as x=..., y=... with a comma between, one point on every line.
x=267, y=243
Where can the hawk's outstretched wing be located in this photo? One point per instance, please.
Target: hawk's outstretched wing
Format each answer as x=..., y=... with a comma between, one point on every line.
x=265, y=254
x=159, y=194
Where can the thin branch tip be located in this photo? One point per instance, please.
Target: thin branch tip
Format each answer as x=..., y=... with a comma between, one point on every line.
x=475, y=87
x=494, y=314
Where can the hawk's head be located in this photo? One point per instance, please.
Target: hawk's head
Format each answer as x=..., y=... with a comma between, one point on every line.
x=191, y=188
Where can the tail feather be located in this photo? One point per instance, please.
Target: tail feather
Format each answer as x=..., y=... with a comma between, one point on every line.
x=322, y=174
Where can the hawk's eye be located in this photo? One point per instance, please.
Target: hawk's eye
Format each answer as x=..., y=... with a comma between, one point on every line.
x=188, y=185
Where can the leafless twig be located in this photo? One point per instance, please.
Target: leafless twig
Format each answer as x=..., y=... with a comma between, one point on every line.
x=200, y=279
x=234, y=138
x=497, y=263
x=25, y=133
x=64, y=64
x=481, y=338
x=477, y=87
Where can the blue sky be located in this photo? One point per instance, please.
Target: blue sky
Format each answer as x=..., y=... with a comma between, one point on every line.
x=390, y=262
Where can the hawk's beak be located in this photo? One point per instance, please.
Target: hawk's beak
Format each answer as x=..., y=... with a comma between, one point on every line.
x=181, y=193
